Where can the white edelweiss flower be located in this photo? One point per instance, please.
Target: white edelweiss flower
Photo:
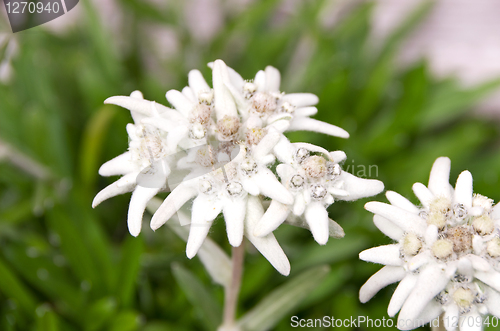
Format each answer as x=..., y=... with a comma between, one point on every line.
x=446, y=258
x=195, y=106
x=315, y=182
x=147, y=150
x=261, y=98
x=189, y=150
x=229, y=190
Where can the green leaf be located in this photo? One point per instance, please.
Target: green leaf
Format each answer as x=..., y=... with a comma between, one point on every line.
x=125, y=321
x=199, y=296
x=64, y=222
x=129, y=270
x=46, y=319
x=92, y=142
x=283, y=300
x=100, y=313
x=12, y=287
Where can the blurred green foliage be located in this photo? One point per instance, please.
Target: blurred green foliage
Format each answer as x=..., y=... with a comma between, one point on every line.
x=64, y=266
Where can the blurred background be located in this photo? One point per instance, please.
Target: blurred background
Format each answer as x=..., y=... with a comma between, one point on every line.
x=409, y=80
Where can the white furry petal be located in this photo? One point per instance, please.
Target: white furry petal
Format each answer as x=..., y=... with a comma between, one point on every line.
x=305, y=111
x=138, y=202
x=317, y=218
x=197, y=82
x=387, y=254
x=463, y=189
x=405, y=220
x=359, y=187
x=175, y=200
x=274, y=216
x=423, y=194
x=387, y=227
x=124, y=185
x=301, y=99
x=234, y=214
x=201, y=222
x=224, y=102
x=310, y=124
x=385, y=276
x=431, y=281
x=273, y=79
x=268, y=246
x=400, y=201
x=401, y=294
x=439, y=179
x=180, y=102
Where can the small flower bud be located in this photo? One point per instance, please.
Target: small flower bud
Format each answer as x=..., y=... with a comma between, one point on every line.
x=228, y=126
x=411, y=244
x=463, y=297
x=200, y=114
x=461, y=237
x=442, y=248
x=314, y=166
x=493, y=247
x=483, y=225
x=440, y=205
x=263, y=103
x=254, y=136
x=479, y=200
x=436, y=218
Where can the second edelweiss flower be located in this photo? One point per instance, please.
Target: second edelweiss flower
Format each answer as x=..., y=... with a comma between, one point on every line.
x=447, y=255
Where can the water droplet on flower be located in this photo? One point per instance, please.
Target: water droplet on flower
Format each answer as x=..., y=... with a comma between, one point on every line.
x=318, y=191
x=301, y=155
x=248, y=166
x=333, y=169
x=234, y=188
x=459, y=210
x=296, y=181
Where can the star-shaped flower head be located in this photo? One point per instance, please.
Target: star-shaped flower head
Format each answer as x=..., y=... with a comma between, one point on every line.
x=316, y=180
x=215, y=148
x=446, y=257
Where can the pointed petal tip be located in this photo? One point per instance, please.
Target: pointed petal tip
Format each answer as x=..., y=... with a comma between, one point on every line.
x=370, y=205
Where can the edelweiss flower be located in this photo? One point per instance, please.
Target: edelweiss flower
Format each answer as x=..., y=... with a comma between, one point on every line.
x=315, y=181
x=147, y=147
x=215, y=148
x=446, y=257
x=261, y=103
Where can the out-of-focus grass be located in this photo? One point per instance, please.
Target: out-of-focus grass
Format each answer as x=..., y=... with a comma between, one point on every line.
x=64, y=266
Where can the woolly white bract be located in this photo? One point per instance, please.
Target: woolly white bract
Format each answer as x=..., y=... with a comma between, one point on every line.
x=447, y=254
x=227, y=137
